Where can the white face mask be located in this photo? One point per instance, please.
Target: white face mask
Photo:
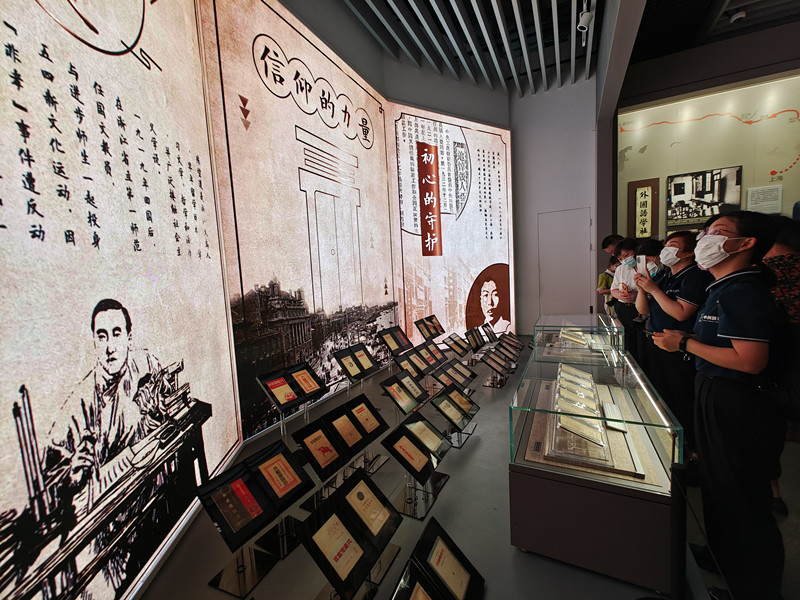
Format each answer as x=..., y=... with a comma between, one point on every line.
x=669, y=256
x=653, y=268
x=709, y=250
x=629, y=262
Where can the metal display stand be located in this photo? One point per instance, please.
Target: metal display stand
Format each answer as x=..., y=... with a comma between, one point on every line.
x=370, y=587
x=459, y=438
x=495, y=380
x=281, y=539
x=248, y=567
x=416, y=502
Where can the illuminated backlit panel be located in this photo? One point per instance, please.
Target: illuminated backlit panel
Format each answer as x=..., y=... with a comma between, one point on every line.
x=108, y=206
x=453, y=181
x=306, y=211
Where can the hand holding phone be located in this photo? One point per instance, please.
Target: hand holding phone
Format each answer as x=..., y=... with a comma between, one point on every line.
x=641, y=265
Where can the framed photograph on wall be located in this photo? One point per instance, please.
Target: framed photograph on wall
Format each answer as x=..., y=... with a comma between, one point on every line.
x=643, y=208
x=692, y=198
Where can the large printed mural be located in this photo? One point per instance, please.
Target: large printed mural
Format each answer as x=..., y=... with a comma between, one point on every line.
x=110, y=254
x=193, y=193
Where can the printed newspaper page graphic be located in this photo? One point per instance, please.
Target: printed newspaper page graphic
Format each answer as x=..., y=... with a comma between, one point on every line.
x=110, y=254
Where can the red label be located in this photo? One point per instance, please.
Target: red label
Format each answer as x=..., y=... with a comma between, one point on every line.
x=429, y=209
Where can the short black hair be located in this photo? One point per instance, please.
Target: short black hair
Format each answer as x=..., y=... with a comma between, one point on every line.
x=649, y=247
x=611, y=240
x=110, y=304
x=625, y=244
x=689, y=239
x=788, y=233
x=613, y=261
x=757, y=225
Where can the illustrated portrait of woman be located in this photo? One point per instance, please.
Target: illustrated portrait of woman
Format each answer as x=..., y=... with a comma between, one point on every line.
x=488, y=300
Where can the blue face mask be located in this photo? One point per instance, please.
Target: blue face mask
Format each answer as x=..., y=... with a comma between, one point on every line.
x=629, y=262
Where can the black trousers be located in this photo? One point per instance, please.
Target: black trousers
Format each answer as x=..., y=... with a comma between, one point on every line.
x=735, y=425
x=626, y=313
x=673, y=377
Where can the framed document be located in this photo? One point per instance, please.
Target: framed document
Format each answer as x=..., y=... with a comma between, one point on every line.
x=491, y=336
x=412, y=454
x=405, y=364
x=446, y=565
x=426, y=433
x=496, y=363
x=385, y=335
x=367, y=504
x=305, y=378
x=443, y=377
x=236, y=504
x=457, y=344
x=424, y=329
x=464, y=370
x=425, y=353
x=321, y=445
x=418, y=362
x=364, y=358
x=510, y=339
x=348, y=431
x=433, y=322
x=506, y=353
x=437, y=354
x=415, y=584
x=281, y=390
x=333, y=540
x=367, y=417
x=279, y=474
x=414, y=388
x=466, y=405
x=401, y=338
x=475, y=339
x=398, y=393
x=450, y=410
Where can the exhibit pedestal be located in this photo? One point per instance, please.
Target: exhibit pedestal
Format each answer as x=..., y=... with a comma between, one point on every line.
x=416, y=502
x=459, y=438
x=495, y=381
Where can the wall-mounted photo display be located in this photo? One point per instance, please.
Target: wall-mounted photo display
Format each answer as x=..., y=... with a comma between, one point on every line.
x=411, y=453
x=367, y=416
x=322, y=448
x=475, y=339
x=237, y=505
x=491, y=336
x=450, y=410
x=457, y=344
x=417, y=360
x=692, y=198
x=415, y=584
x=438, y=555
x=279, y=474
x=368, y=505
x=465, y=404
x=426, y=433
x=437, y=354
x=399, y=394
x=333, y=536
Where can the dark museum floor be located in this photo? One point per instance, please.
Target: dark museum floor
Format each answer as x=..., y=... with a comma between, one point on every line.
x=473, y=508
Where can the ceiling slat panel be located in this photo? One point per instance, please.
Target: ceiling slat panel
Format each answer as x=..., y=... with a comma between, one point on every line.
x=523, y=43
x=374, y=27
x=472, y=39
x=384, y=16
x=537, y=23
x=414, y=32
x=428, y=24
x=501, y=26
x=483, y=23
x=556, y=41
x=590, y=38
x=573, y=39
x=451, y=31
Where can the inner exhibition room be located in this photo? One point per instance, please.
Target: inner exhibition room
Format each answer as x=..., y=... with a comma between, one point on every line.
x=300, y=297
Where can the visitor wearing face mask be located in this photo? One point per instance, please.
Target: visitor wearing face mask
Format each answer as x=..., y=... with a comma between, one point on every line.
x=737, y=334
x=624, y=290
x=648, y=249
x=672, y=298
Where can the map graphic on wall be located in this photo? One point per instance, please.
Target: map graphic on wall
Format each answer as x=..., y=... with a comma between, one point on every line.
x=110, y=253
x=454, y=188
x=306, y=208
x=692, y=198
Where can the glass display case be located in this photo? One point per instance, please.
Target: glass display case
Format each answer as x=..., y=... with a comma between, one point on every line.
x=590, y=475
x=586, y=339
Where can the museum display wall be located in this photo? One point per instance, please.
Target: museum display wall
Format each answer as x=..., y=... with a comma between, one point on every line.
x=194, y=194
x=684, y=160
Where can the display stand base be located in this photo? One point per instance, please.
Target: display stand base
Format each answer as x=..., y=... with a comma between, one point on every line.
x=281, y=539
x=459, y=438
x=318, y=497
x=248, y=567
x=373, y=462
x=495, y=381
x=416, y=502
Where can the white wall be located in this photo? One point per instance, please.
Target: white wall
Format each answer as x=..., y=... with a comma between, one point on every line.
x=553, y=168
